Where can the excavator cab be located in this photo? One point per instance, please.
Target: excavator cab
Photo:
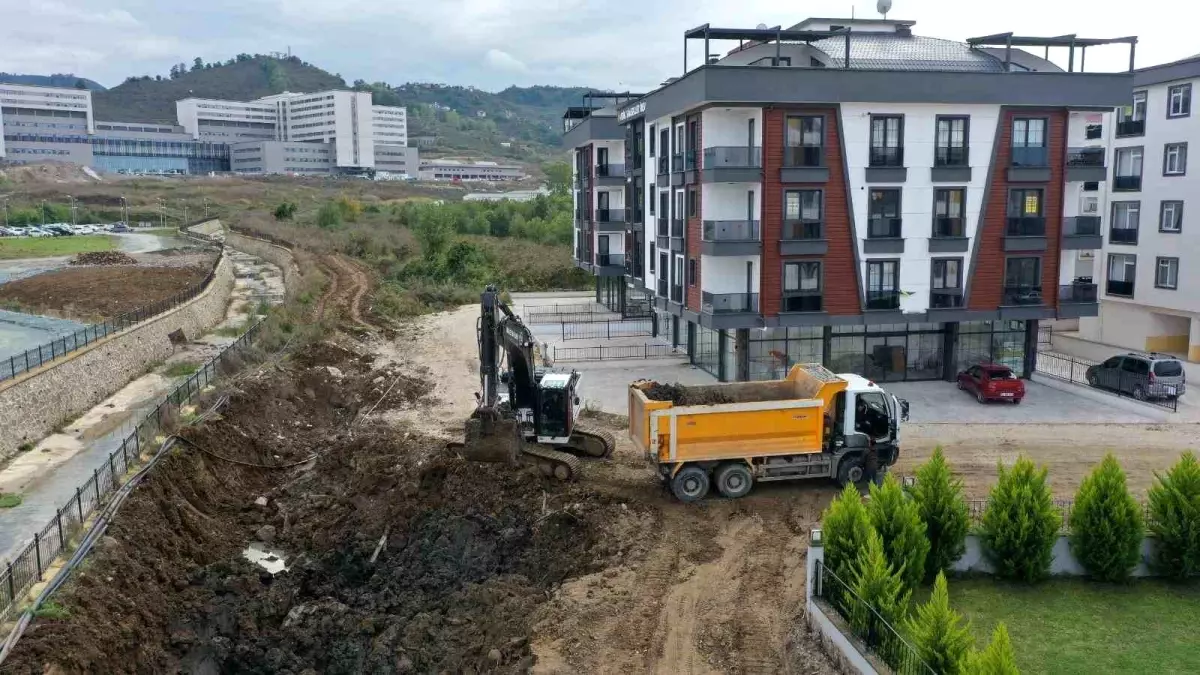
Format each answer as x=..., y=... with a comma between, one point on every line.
x=558, y=409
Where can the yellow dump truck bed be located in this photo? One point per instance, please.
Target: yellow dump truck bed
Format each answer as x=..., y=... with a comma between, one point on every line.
x=749, y=419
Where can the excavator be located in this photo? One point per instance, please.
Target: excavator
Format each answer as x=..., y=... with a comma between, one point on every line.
x=536, y=418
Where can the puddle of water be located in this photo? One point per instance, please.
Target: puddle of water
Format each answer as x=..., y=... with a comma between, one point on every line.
x=269, y=559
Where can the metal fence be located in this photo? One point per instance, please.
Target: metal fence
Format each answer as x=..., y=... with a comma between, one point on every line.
x=28, y=567
x=1045, y=336
x=977, y=507
x=1122, y=383
x=596, y=316
x=876, y=632
x=620, y=352
x=606, y=329
x=564, y=309
x=30, y=359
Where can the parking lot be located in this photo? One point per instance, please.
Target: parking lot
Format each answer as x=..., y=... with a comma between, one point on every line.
x=943, y=403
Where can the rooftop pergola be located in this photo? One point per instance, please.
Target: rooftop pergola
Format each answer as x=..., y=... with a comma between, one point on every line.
x=760, y=36
x=1071, y=42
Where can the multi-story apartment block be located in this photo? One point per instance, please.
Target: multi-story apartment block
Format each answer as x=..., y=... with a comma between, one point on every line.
x=1147, y=265
x=849, y=193
x=456, y=170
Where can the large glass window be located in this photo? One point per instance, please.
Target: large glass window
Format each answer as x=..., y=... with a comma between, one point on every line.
x=707, y=355
x=1001, y=342
x=802, y=214
x=883, y=214
x=950, y=144
x=804, y=141
x=948, y=212
x=773, y=351
x=1122, y=272
x=883, y=284
x=887, y=141
x=1125, y=220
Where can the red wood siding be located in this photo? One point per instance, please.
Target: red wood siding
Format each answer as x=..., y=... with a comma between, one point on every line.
x=694, y=226
x=987, y=274
x=841, y=277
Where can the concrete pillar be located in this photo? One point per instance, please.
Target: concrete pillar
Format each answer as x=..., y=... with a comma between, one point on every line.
x=1194, y=340
x=1031, y=336
x=950, y=351
x=724, y=368
x=742, y=350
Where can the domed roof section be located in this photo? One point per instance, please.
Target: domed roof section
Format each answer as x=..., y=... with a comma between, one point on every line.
x=896, y=51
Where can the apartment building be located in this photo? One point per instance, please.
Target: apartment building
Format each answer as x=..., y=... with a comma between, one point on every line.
x=456, y=170
x=849, y=193
x=1151, y=238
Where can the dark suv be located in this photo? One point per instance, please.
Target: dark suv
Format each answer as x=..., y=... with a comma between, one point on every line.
x=1141, y=376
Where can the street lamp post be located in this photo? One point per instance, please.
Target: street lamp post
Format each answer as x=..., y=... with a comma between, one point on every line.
x=125, y=209
x=72, y=209
x=6, y=212
x=43, y=212
x=162, y=213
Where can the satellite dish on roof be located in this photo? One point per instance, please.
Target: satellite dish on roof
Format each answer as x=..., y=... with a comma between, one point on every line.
x=761, y=26
x=884, y=6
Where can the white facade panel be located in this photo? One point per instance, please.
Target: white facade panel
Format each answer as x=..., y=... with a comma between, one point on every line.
x=728, y=273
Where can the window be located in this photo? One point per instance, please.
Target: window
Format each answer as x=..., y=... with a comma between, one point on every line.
x=1093, y=132
x=1174, y=159
x=802, y=286
x=692, y=202
x=946, y=275
x=1023, y=281
x=1089, y=205
x=802, y=214
x=651, y=140
x=1125, y=217
x=883, y=213
x=1029, y=142
x=1179, y=100
x=1170, y=216
x=948, y=212
x=1166, y=273
x=804, y=141
x=677, y=280
x=1122, y=270
x=883, y=284
x=1128, y=169
x=691, y=272
x=887, y=141
x=679, y=205
x=950, y=144
x=1025, y=213
x=653, y=255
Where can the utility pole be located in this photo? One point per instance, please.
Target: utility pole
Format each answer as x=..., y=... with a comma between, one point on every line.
x=72, y=209
x=43, y=212
x=162, y=213
x=125, y=208
x=6, y=211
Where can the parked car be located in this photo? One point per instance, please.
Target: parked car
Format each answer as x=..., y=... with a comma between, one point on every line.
x=1141, y=376
x=992, y=382
x=59, y=230
x=119, y=227
x=10, y=232
x=32, y=231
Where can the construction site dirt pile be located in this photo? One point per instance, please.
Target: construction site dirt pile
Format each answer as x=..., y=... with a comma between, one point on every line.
x=400, y=558
x=104, y=258
x=683, y=395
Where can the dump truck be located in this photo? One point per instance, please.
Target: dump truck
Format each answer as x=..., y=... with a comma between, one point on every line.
x=811, y=424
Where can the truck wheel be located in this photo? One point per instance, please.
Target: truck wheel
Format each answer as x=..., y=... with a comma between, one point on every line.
x=734, y=480
x=850, y=472
x=690, y=484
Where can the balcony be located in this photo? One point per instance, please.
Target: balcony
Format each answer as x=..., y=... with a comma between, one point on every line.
x=949, y=235
x=1123, y=235
x=729, y=303
x=886, y=165
x=948, y=298
x=1123, y=289
x=803, y=237
x=733, y=164
x=804, y=164
x=1081, y=233
x=1127, y=183
x=731, y=237
x=884, y=235
x=950, y=164
x=802, y=301
x=1086, y=164
x=610, y=174
x=1025, y=233
x=889, y=299
x=1131, y=128
x=610, y=264
x=1029, y=164
x=1078, y=299
x=1022, y=295
x=583, y=258
x=609, y=220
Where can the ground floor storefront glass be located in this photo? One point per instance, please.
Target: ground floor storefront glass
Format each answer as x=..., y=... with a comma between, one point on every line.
x=706, y=350
x=889, y=352
x=775, y=350
x=1001, y=342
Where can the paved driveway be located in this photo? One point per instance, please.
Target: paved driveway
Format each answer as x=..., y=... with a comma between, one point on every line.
x=942, y=402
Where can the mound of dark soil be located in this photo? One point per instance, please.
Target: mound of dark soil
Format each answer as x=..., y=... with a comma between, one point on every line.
x=683, y=395
x=104, y=258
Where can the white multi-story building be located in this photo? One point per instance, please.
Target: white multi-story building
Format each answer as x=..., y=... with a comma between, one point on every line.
x=847, y=192
x=62, y=116
x=1147, y=268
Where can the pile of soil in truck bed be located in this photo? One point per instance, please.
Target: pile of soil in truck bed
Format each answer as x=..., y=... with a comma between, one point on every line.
x=400, y=558
x=683, y=395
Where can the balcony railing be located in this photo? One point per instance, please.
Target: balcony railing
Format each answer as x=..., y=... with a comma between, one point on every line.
x=663, y=229
x=677, y=294
x=664, y=166
x=1123, y=288
x=1123, y=235
x=880, y=227
x=662, y=287
x=732, y=157
x=1085, y=156
x=1025, y=226
x=724, y=303
x=1023, y=294
x=731, y=230
x=1030, y=155
x=1078, y=292
x=1083, y=226
x=944, y=226
x=1131, y=127
x=677, y=227
x=883, y=299
x=802, y=229
x=610, y=260
x=610, y=170
x=803, y=156
x=802, y=301
x=677, y=162
x=1127, y=182
x=886, y=157
x=609, y=216
x=950, y=156
x=946, y=300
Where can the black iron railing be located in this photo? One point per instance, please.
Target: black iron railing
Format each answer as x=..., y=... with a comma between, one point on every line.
x=946, y=299
x=1123, y=235
x=1120, y=382
x=884, y=157
x=648, y=350
x=880, y=227
x=1078, y=292
x=950, y=156
x=1025, y=226
x=944, y=226
x=1127, y=183
x=1121, y=288
x=1022, y=294
x=1131, y=127
x=802, y=229
x=1085, y=156
x=801, y=301
x=801, y=156
x=1030, y=155
x=883, y=299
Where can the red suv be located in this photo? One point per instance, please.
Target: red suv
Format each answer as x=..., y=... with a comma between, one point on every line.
x=992, y=382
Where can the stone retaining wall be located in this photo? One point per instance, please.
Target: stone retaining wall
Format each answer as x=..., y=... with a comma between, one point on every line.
x=34, y=404
x=272, y=253
x=208, y=227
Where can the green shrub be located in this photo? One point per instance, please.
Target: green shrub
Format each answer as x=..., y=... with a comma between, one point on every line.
x=942, y=639
x=10, y=500
x=1021, y=523
x=878, y=586
x=1175, y=518
x=285, y=211
x=895, y=517
x=997, y=659
x=940, y=503
x=329, y=216
x=1106, y=524
x=845, y=528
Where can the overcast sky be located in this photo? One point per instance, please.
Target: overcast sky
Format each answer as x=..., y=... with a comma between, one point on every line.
x=490, y=44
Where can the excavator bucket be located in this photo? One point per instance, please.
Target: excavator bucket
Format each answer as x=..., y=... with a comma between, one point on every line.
x=491, y=440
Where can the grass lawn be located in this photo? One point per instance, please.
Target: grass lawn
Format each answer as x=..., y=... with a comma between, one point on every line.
x=1075, y=626
x=46, y=247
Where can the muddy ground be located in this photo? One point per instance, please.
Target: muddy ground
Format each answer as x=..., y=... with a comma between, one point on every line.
x=93, y=293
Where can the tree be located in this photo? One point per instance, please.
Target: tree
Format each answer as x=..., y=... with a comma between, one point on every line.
x=997, y=659
x=558, y=177
x=1021, y=523
x=285, y=211
x=881, y=598
x=1175, y=518
x=80, y=84
x=198, y=64
x=898, y=522
x=329, y=215
x=938, y=632
x=1106, y=524
x=845, y=528
x=940, y=503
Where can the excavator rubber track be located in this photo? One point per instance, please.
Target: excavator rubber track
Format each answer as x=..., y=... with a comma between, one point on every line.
x=554, y=463
x=592, y=443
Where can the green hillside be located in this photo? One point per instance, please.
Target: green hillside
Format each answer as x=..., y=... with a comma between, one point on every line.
x=56, y=80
